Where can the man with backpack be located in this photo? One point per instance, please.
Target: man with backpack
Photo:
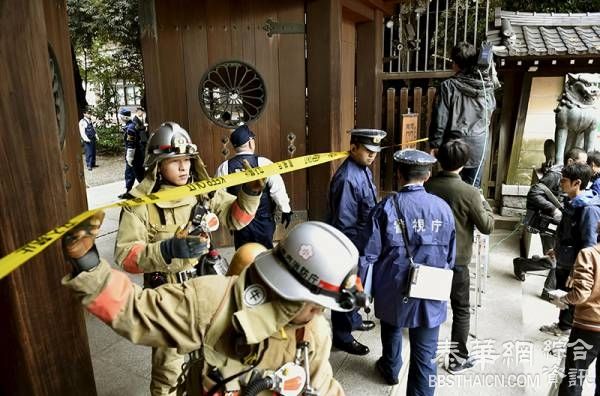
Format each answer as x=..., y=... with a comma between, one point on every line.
x=262, y=227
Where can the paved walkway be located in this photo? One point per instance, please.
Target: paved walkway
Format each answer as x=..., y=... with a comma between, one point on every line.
x=514, y=358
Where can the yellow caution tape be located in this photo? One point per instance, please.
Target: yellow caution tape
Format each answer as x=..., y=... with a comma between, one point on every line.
x=20, y=256
x=407, y=143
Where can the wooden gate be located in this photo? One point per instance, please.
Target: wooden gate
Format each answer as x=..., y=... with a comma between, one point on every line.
x=403, y=109
x=182, y=41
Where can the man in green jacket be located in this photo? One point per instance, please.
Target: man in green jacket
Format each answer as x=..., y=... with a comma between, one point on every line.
x=470, y=209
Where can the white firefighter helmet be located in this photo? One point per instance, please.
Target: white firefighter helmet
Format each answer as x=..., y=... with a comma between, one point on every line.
x=315, y=262
x=169, y=141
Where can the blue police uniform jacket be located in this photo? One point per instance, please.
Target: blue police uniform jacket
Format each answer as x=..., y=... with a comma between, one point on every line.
x=431, y=234
x=131, y=135
x=352, y=195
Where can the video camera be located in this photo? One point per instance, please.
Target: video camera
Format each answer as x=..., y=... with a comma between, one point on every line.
x=539, y=223
x=485, y=57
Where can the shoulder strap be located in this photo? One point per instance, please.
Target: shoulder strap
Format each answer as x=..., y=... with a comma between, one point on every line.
x=155, y=215
x=551, y=197
x=402, y=225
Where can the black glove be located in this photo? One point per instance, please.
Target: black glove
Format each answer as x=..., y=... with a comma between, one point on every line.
x=191, y=246
x=286, y=218
x=78, y=244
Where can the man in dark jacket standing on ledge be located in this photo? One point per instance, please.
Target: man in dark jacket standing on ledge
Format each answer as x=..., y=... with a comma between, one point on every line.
x=470, y=210
x=463, y=109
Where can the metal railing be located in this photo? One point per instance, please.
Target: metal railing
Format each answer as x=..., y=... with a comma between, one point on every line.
x=420, y=36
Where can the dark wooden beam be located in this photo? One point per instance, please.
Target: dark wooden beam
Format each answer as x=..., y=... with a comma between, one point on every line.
x=519, y=128
x=416, y=75
x=323, y=26
x=358, y=11
x=43, y=340
x=369, y=88
x=509, y=109
x=150, y=58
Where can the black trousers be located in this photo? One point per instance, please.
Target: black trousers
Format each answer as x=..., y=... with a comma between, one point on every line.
x=565, y=317
x=461, y=314
x=547, y=244
x=577, y=361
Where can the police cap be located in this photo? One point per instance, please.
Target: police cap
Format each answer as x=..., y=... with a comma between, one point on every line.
x=241, y=135
x=414, y=157
x=124, y=112
x=370, y=138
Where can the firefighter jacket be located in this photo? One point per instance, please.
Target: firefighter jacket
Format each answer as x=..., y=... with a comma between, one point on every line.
x=226, y=318
x=141, y=228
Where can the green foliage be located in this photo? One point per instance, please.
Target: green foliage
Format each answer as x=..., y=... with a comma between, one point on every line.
x=105, y=35
x=110, y=140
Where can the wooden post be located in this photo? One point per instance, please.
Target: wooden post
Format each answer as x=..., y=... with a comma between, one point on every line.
x=387, y=158
x=323, y=25
x=517, y=140
x=44, y=341
x=369, y=88
x=507, y=117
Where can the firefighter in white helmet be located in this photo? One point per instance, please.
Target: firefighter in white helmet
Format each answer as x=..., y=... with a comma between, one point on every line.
x=147, y=241
x=239, y=330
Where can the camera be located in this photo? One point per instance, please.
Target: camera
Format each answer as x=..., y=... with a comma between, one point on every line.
x=539, y=223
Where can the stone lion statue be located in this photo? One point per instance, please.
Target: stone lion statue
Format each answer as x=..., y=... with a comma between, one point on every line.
x=577, y=114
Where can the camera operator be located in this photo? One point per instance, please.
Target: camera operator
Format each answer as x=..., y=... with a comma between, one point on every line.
x=463, y=109
x=539, y=201
x=577, y=230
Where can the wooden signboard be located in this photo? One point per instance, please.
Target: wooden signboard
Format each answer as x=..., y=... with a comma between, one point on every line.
x=410, y=129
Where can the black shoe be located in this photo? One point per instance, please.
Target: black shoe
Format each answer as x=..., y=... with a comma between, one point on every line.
x=95, y=166
x=520, y=275
x=353, y=347
x=456, y=367
x=366, y=325
x=125, y=195
x=545, y=295
x=388, y=378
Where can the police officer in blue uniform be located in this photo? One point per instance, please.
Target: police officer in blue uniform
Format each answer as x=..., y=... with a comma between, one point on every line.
x=134, y=153
x=274, y=196
x=352, y=195
x=431, y=241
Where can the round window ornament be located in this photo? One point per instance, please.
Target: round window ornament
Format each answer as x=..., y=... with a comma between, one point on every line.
x=232, y=93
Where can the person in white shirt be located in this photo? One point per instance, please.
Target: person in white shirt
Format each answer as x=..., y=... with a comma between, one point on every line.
x=89, y=137
x=274, y=196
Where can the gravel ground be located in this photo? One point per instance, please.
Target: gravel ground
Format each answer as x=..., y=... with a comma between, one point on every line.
x=110, y=169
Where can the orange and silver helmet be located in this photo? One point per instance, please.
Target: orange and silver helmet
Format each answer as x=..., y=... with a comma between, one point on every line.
x=316, y=263
x=169, y=141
